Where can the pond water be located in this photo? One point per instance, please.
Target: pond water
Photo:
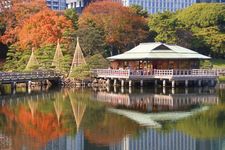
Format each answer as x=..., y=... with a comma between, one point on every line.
x=113, y=119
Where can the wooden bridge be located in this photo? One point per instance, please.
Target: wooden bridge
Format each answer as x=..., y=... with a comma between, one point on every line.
x=27, y=77
x=159, y=74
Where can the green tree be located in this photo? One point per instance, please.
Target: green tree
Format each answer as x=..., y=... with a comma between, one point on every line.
x=91, y=40
x=71, y=14
x=200, y=27
x=139, y=10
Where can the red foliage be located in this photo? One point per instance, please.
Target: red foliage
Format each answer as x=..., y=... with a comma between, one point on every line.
x=14, y=16
x=122, y=26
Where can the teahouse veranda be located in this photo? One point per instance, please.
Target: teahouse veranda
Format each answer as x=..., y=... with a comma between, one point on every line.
x=148, y=56
x=157, y=61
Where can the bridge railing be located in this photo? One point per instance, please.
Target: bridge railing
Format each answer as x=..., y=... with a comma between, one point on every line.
x=28, y=75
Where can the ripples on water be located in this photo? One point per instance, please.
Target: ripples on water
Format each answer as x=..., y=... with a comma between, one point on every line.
x=113, y=119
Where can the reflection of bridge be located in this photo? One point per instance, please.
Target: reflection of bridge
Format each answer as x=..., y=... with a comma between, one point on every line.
x=156, y=102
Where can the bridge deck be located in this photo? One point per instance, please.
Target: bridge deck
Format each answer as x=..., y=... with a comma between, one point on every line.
x=9, y=77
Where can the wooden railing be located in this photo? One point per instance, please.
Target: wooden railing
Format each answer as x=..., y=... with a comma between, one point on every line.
x=14, y=76
x=113, y=73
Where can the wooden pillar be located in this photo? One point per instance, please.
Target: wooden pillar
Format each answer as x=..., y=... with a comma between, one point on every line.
x=130, y=90
x=122, y=83
x=114, y=82
x=212, y=82
x=114, y=89
x=173, y=91
x=141, y=83
x=164, y=83
x=130, y=83
x=186, y=83
x=199, y=82
x=156, y=82
x=13, y=87
x=186, y=90
x=108, y=82
x=164, y=90
x=122, y=89
x=173, y=83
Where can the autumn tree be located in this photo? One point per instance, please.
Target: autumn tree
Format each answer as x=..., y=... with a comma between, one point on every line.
x=43, y=28
x=14, y=14
x=122, y=27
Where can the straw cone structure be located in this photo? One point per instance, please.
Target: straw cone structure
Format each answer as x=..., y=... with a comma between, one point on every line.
x=32, y=63
x=78, y=57
x=58, y=58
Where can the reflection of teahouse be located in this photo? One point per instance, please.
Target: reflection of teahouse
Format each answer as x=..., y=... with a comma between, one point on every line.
x=157, y=56
x=157, y=102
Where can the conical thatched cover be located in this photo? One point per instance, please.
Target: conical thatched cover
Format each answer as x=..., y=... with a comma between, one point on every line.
x=58, y=58
x=32, y=63
x=78, y=57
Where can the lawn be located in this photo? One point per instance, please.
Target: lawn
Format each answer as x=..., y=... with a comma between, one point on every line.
x=218, y=63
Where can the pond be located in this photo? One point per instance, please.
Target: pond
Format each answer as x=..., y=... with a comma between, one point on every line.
x=113, y=119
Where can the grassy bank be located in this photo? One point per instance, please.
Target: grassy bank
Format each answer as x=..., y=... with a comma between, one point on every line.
x=218, y=63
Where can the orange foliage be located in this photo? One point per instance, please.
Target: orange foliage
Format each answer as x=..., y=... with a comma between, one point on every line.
x=122, y=26
x=14, y=17
x=43, y=28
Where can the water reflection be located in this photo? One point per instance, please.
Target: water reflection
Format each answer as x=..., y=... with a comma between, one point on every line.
x=79, y=119
x=149, y=101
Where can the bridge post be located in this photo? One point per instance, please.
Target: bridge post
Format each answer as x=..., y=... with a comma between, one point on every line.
x=122, y=89
x=141, y=83
x=114, y=82
x=108, y=82
x=164, y=90
x=122, y=83
x=186, y=83
x=130, y=83
x=13, y=87
x=173, y=91
x=173, y=83
x=164, y=83
x=156, y=82
x=199, y=82
x=114, y=89
x=212, y=82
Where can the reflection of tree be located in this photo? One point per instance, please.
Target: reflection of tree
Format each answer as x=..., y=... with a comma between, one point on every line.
x=208, y=124
x=38, y=130
x=33, y=105
x=111, y=130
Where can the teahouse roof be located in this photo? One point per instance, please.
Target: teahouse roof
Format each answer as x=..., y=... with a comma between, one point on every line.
x=158, y=51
